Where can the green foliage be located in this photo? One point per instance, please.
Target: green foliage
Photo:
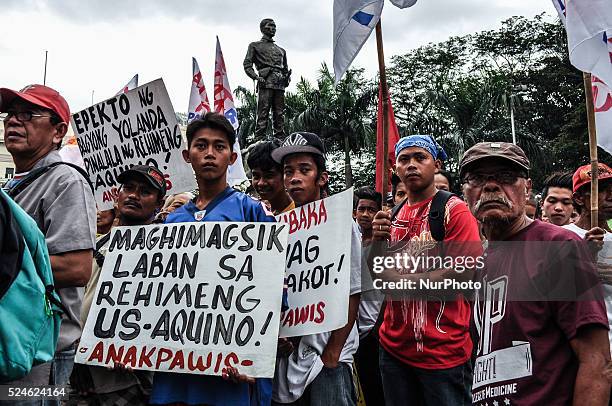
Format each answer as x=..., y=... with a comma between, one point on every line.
x=341, y=115
x=460, y=91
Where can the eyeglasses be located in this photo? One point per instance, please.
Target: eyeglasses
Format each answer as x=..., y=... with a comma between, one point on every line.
x=22, y=116
x=504, y=178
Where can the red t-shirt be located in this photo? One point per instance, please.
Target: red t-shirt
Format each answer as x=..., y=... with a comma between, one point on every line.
x=524, y=355
x=429, y=333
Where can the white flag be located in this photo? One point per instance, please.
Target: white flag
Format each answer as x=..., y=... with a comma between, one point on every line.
x=589, y=35
x=132, y=84
x=198, y=99
x=403, y=3
x=354, y=20
x=224, y=104
x=602, y=96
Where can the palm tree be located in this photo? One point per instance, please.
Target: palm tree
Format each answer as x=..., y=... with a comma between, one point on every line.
x=340, y=114
x=478, y=110
x=247, y=114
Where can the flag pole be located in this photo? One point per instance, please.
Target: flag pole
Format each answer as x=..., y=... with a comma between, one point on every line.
x=588, y=90
x=385, y=110
x=45, y=74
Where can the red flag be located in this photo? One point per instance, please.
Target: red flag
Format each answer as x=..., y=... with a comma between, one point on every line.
x=393, y=139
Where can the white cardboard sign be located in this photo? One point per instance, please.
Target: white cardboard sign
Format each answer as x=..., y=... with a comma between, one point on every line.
x=318, y=265
x=190, y=298
x=137, y=127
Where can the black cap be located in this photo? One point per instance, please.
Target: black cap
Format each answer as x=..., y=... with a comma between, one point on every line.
x=502, y=150
x=300, y=142
x=150, y=173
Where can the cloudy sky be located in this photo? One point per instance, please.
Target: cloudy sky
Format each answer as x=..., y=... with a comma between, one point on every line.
x=99, y=45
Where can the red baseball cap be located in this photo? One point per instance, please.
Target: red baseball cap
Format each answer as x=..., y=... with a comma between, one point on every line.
x=582, y=176
x=39, y=95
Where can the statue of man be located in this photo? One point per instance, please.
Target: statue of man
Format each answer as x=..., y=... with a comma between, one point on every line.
x=273, y=76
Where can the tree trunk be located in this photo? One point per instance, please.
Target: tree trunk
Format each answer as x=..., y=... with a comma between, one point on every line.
x=348, y=171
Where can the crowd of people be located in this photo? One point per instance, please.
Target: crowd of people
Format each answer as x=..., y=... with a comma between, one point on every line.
x=511, y=339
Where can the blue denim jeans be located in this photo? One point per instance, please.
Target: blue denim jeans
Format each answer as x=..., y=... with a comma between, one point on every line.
x=333, y=386
x=406, y=385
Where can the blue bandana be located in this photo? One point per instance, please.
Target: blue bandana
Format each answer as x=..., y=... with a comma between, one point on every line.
x=421, y=141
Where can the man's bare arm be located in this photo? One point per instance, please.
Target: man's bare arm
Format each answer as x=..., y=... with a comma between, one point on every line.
x=72, y=268
x=592, y=349
x=331, y=353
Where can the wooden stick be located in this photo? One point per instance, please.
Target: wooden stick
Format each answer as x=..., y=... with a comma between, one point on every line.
x=385, y=107
x=588, y=90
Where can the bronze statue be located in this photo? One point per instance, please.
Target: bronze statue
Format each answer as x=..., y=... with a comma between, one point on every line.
x=273, y=76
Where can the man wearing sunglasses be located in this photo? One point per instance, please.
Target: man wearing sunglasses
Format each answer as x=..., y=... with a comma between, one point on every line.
x=542, y=323
x=61, y=202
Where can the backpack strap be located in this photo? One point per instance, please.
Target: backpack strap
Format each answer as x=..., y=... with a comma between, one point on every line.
x=51, y=293
x=436, y=214
x=38, y=172
x=395, y=210
x=12, y=245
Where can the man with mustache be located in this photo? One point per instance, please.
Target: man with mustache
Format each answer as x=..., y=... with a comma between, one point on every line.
x=267, y=176
x=141, y=195
x=538, y=344
x=61, y=202
x=425, y=342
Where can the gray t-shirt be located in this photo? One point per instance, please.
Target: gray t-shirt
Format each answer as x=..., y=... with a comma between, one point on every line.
x=63, y=206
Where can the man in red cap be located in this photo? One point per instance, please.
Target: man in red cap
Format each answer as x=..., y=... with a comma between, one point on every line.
x=582, y=199
x=61, y=202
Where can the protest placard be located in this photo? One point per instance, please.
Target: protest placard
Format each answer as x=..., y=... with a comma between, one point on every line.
x=190, y=298
x=318, y=265
x=134, y=128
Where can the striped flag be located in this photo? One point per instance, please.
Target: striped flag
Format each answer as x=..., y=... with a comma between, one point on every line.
x=132, y=84
x=224, y=104
x=198, y=99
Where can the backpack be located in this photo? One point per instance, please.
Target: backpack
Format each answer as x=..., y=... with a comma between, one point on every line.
x=38, y=172
x=436, y=213
x=30, y=308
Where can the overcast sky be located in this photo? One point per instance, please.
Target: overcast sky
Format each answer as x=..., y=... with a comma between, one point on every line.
x=100, y=45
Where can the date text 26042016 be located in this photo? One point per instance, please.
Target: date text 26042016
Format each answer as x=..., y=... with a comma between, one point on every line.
x=159, y=358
